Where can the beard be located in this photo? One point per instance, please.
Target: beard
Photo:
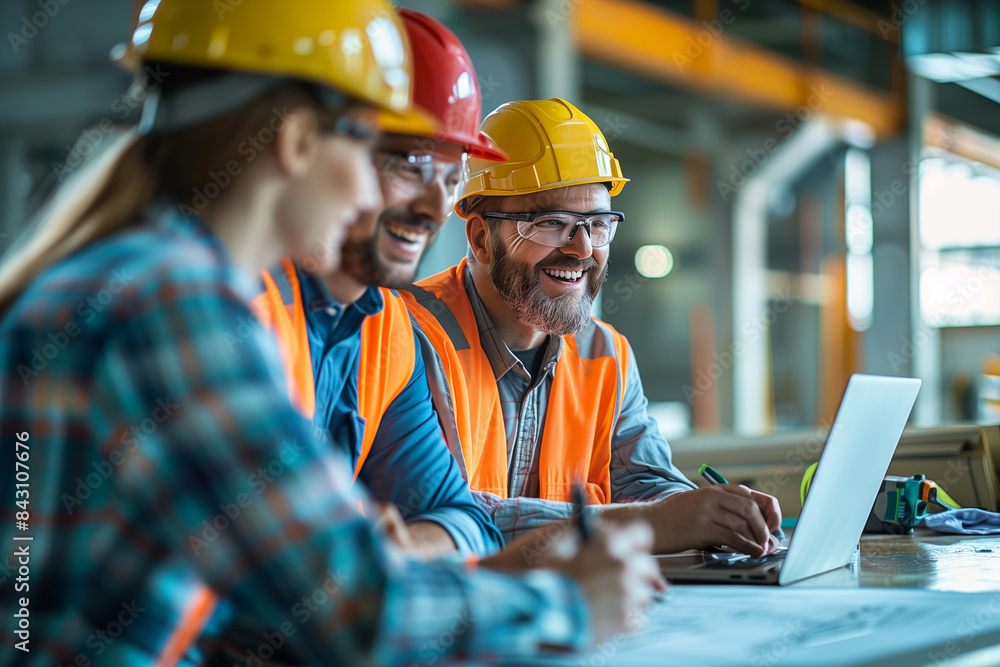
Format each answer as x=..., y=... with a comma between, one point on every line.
x=360, y=258
x=519, y=285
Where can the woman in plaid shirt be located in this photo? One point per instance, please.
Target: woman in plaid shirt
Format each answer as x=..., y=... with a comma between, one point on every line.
x=168, y=472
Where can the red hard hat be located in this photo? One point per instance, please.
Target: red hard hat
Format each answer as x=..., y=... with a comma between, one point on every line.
x=445, y=85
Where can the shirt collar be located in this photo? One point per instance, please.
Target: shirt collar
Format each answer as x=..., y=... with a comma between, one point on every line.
x=317, y=296
x=496, y=350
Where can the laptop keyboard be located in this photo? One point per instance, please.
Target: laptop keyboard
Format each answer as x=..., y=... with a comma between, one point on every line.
x=746, y=562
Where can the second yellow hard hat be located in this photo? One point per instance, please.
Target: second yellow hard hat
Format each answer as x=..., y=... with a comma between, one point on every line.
x=551, y=144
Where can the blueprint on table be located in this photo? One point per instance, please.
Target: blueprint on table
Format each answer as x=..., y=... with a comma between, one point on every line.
x=800, y=627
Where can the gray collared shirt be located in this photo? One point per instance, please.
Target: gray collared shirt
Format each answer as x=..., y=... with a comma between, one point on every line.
x=640, y=469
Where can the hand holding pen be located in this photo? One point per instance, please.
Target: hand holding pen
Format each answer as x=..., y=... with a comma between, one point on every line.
x=610, y=563
x=714, y=477
x=630, y=545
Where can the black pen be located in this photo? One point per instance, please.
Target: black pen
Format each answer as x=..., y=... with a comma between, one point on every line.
x=584, y=520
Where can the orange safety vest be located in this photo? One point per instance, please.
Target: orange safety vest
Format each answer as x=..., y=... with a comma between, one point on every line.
x=584, y=401
x=388, y=353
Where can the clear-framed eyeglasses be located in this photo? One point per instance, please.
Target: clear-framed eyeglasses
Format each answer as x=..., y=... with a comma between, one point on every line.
x=355, y=128
x=556, y=229
x=412, y=172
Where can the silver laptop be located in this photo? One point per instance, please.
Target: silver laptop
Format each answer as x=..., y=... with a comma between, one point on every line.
x=858, y=450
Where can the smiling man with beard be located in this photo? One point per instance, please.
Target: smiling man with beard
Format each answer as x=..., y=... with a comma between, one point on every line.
x=420, y=177
x=540, y=394
x=352, y=359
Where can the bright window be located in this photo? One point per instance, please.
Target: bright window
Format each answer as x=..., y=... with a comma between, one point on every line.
x=960, y=241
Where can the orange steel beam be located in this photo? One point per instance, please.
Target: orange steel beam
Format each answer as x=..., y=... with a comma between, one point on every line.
x=663, y=46
x=962, y=140
x=704, y=402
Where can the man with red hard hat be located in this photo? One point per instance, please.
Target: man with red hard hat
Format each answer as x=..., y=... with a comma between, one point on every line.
x=352, y=360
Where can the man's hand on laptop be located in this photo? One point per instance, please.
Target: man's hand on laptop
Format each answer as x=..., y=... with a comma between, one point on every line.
x=726, y=515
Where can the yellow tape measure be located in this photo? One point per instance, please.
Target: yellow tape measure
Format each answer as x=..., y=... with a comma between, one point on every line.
x=901, y=500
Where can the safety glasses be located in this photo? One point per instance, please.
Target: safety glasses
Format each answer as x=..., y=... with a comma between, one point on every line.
x=412, y=172
x=556, y=229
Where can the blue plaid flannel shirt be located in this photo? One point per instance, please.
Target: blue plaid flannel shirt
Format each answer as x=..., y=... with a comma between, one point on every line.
x=165, y=457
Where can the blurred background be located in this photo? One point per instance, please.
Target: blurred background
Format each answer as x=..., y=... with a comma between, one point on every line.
x=815, y=183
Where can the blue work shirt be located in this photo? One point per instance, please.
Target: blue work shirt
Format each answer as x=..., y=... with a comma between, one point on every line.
x=409, y=463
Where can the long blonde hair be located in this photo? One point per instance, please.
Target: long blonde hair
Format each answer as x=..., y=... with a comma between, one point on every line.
x=113, y=191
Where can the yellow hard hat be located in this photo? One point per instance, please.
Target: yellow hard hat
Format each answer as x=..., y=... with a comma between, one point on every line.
x=551, y=144
x=358, y=48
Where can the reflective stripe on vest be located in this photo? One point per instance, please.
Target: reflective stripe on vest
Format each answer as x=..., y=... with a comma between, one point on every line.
x=279, y=308
x=584, y=401
x=387, y=356
x=192, y=622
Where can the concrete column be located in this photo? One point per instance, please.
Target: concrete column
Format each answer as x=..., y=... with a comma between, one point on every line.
x=924, y=341
x=886, y=351
x=558, y=64
x=751, y=313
